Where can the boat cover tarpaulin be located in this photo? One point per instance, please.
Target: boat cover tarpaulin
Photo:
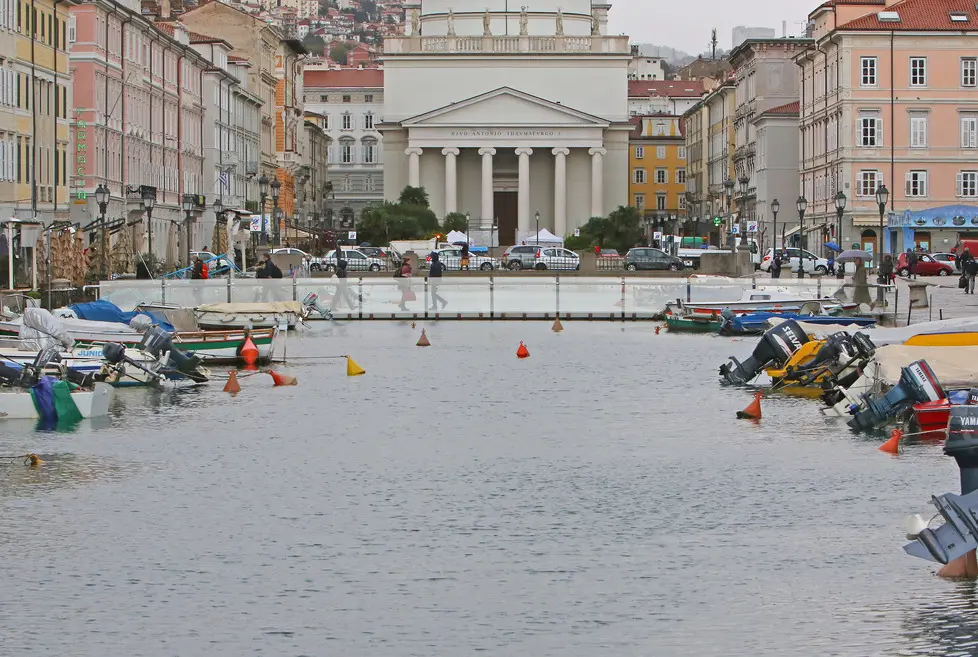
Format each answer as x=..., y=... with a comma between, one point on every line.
x=893, y=335
x=955, y=367
x=53, y=402
x=42, y=327
x=106, y=311
x=269, y=307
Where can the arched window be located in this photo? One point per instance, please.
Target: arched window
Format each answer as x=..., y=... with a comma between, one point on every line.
x=346, y=151
x=346, y=217
x=369, y=150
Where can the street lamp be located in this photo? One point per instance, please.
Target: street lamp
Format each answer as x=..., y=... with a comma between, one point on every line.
x=882, y=196
x=218, y=207
x=276, y=187
x=802, y=204
x=467, y=238
x=148, y=198
x=263, y=192
x=537, y=215
x=775, y=208
x=188, y=207
x=728, y=186
x=102, y=198
x=744, y=181
x=840, y=208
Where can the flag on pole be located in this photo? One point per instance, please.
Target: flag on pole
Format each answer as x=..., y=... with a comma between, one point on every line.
x=225, y=178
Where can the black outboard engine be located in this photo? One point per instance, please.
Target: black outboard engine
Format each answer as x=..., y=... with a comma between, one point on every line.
x=156, y=342
x=114, y=353
x=776, y=346
x=917, y=384
x=972, y=397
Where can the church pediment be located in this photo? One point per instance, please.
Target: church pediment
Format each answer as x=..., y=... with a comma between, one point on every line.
x=504, y=107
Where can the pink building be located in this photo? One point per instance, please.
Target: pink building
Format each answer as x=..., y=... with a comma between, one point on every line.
x=889, y=96
x=137, y=120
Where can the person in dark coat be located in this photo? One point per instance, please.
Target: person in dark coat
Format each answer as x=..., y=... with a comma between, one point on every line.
x=970, y=269
x=197, y=273
x=435, y=272
x=776, y=264
x=886, y=270
x=911, y=264
x=342, y=288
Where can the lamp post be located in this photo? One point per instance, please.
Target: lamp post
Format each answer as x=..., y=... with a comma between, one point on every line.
x=802, y=206
x=219, y=221
x=102, y=198
x=276, y=187
x=493, y=227
x=263, y=192
x=148, y=198
x=728, y=186
x=537, y=216
x=775, y=208
x=744, y=181
x=467, y=240
x=188, y=207
x=882, y=196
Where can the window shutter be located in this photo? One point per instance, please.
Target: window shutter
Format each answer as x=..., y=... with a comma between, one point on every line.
x=958, y=184
x=879, y=132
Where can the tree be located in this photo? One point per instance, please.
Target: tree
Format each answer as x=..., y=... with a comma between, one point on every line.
x=621, y=230
x=454, y=221
x=414, y=196
x=379, y=224
x=338, y=53
x=314, y=44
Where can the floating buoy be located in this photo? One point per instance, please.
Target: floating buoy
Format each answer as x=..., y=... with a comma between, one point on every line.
x=283, y=379
x=892, y=446
x=249, y=352
x=32, y=460
x=753, y=410
x=352, y=369
x=557, y=327
x=657, y=329
x=522, y=352
x=232, y=385
x=423, y=340
x=414, y=325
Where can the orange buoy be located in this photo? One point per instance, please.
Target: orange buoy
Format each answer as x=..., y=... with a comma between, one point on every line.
x=414, y=325
x=522, y=352
x=557, y=327
x=423, y=340
x=232, y=385
x=249, y=352
x=657, y=329
x=753, y=410
x=892, y=446
x=283, y=379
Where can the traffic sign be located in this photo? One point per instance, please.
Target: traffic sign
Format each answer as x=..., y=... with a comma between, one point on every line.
x=717, y=221
x=577, y=232
x=735, y=229
x=751, y=226
x=255, y=223
x=352, y=235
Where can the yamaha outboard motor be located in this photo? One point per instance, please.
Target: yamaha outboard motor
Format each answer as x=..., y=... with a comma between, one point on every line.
x=973, y=397
x=918, y=383
x=776, y=346
x=156, y=342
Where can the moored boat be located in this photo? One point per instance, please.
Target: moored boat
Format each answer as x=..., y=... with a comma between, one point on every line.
x=762, y=300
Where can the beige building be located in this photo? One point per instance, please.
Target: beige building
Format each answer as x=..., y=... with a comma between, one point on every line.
x=710, y=146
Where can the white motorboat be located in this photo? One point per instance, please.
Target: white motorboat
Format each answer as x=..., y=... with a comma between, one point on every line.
x=18, y=403
x=229, y=316
x=760, y=301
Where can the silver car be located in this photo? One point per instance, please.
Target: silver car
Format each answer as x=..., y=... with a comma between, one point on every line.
x=452, y=259
x=553, y=257
x=355, y=261
x=522, y=256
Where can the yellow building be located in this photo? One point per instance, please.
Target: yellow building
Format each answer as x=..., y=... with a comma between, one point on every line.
x=657, y=167
x=35, y=94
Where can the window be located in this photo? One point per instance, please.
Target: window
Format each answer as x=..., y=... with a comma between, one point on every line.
x=867, y=71
x=916, y=184
x=324, y=98
x=346, y=98
x=918, y=71
x=661, y=176
x=660, y=129
x=680, y=176
x=660, y=201
x=969, y=72
x=369, y=152
x=640, y=201
x=368, y=121
x=969, y=132
x=348, y=122
x=326, y=122
x=639, y=152
x=870, y=131
x=968, y=183
x=918, y=132
x=867, y=181
x=638, y=176
x=346, y=152
x=682, y=152
x=368, y=98
x=660, y=152
x=682, y=202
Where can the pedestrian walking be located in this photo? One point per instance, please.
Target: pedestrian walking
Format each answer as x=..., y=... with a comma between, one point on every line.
x=971, y=270
x=434, y=278
x=886, y=273
x=404, y=274
x=911, y=264
x=776, y=265
x=342, y=293
x=465, y=257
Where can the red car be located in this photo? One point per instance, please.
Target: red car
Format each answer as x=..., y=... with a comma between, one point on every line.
x=926, y=266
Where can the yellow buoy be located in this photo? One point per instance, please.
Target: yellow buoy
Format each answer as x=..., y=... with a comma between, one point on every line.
x=352, y=369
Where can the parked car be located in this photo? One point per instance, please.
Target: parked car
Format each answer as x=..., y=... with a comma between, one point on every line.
x=452, y=259
x=553, y=257
x=651, y=259
x=523, y=256
x=926, y=266
x=315, y=264
x=946, y=258
x=356, y=260
x=609, y=253
x=813, y=264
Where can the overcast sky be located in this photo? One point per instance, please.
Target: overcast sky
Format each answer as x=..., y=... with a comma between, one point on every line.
x=686, y=25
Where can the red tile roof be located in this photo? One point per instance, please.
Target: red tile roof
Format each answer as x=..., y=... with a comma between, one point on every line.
x=236, y=58
x=665, y=88
x=345, y=78
x=920, y=15
x=791, y=109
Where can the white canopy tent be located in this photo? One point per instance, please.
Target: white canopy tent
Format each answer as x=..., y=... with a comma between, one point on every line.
x=543, y=238
x=457, y=236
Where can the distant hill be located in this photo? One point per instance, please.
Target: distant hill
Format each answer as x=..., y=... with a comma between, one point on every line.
x=675, y=57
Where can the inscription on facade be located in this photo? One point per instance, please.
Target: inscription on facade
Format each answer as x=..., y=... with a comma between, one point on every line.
x=505, y=133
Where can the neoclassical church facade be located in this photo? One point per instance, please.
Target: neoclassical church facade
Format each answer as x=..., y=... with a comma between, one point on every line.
x=503, y=112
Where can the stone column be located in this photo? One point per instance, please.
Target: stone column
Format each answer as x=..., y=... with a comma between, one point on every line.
x=414, y=166
x=451, y=179
x=560, y=190
x=523, y=195
x=487, y=211
x=597, y=181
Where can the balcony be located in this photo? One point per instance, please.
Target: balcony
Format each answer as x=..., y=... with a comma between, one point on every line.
x=406, y=45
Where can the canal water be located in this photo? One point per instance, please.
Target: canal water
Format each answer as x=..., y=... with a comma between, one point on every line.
x=598, y=498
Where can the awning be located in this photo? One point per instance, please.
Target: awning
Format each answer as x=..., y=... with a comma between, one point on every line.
x=808, y=229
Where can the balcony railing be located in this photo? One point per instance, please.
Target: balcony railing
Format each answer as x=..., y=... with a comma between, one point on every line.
x=401, y=45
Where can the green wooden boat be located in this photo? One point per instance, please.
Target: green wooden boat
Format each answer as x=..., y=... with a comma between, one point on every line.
x=689, y=325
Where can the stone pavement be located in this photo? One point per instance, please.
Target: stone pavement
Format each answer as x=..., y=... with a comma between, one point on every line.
x=945, y=301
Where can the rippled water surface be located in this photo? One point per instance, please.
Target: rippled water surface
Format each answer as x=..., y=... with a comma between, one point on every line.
x=595, y=499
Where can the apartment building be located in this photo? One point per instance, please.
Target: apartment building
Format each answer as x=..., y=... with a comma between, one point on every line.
x=351, y=100
x=889, y=97
x=711, y=142
x=657, y=165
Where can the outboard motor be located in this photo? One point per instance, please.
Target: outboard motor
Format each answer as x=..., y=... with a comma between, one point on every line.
x=776, y=346
x=156, y=342
x=918, y=383
x=311, y=301
x=973, y=397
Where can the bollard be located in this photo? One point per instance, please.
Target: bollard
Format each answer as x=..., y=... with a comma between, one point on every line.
x=689, y=290
x=229, y=289
x=492, y=297
x=360, y=296
x=623, y=298
x=557, y=282
x=426, y=297
x=819, y=293
x=163, y=291
x=295, y=291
